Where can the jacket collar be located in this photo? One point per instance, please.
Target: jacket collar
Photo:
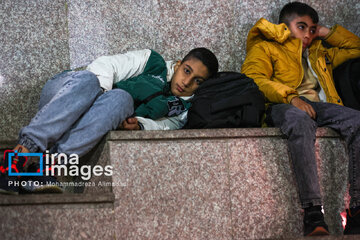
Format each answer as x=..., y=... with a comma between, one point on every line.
x=270, y=31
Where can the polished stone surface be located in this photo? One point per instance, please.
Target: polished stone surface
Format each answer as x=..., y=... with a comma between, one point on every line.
x=65, y=198
x=39, y=38
x=208, y=133
x=81, y=221
x=264, y=192
x=189, y=184
x=200, y=184
x=171, y=190
x=33, y=47
x=219, y=183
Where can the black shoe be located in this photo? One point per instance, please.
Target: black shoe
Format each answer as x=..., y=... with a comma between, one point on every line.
x=10, y=184
x=352, y=222
x=314, y=223
x=40, y=184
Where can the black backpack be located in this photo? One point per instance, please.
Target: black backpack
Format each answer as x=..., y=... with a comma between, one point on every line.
x=228, y=100
x=347, y=82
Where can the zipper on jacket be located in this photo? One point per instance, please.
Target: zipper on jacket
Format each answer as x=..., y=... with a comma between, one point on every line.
x=301, y=66
x=322, y=90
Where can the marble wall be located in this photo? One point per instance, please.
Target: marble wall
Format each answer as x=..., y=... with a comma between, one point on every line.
x=39, y=38
x=33, y=46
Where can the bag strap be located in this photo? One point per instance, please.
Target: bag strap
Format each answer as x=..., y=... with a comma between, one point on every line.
x=148, y=99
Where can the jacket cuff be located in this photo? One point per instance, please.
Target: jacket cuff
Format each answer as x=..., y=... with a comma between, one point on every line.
x=332, y=30
x=290, y=97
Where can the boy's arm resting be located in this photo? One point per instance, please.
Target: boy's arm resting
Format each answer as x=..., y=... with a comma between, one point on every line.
x=346, y=45
x=169, y=123
x=258, y=66
x=111, y=69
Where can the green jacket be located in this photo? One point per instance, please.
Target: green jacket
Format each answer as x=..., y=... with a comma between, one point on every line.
x=151, y=81
x=143, y=73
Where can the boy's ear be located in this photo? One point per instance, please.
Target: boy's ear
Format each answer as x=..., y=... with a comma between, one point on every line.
x=177, y=65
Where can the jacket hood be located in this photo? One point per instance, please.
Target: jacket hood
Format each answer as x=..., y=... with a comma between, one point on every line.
x=264, y=29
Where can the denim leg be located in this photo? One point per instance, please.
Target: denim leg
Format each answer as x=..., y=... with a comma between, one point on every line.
x=107, y=112
x=63, y=100
x=300, y=131
x=346, y=122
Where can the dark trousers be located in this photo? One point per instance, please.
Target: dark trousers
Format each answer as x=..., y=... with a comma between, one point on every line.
x=300, y=130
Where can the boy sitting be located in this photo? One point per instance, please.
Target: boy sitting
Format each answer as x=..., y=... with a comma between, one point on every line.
x=137, y=90
x=294, y=71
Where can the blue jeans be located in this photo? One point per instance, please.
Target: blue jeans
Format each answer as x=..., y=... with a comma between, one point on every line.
x=74, y=114
x=300, y=130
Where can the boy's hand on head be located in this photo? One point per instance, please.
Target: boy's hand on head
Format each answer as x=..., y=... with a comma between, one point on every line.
x=130, y=124
x=300, y=104
x=322, y=31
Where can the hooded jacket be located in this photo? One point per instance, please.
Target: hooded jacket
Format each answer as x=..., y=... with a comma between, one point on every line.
x=143, y=73
x=274, y=60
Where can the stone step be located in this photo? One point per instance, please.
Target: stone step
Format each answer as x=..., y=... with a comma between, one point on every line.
x=187, y=184
x=57, y=216
x=66, y=198
x=218, y=183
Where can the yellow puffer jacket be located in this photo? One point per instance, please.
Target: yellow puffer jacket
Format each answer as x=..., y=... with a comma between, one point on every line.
x=274, y=60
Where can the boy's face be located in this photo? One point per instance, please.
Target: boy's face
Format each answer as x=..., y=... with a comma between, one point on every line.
x=188, y=76
x=304, y=29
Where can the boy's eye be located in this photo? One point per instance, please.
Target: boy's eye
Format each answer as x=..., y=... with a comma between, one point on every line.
x=187, y=71
x=301, y=27
x=313, y=31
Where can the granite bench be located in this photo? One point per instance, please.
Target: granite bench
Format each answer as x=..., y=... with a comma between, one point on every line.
x=198, y=184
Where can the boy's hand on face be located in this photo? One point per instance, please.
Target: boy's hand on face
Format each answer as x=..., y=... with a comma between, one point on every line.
x=322, y=31
x=297, y=102
x=130, y=124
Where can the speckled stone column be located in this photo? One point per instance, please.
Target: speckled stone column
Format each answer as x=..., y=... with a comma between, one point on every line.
x=33, y=47
x=39, y=38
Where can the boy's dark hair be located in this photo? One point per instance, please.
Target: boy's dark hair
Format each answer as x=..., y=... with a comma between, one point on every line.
x=207, y=57
x=293, y=9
